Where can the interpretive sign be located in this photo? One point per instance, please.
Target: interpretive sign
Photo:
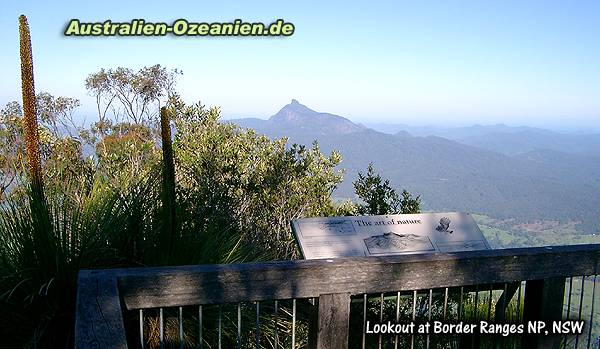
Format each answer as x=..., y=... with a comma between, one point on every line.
x=334, y=237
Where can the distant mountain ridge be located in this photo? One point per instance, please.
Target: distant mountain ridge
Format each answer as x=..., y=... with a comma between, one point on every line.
x=504, y=139
x=450, y=175
x=453, y=133
x=536, y=139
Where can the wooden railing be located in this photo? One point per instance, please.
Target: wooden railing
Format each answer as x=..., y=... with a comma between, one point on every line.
x=107, y=298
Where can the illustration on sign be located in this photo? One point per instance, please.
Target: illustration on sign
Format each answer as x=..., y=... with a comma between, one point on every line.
x=444, y=225
x=392, y=242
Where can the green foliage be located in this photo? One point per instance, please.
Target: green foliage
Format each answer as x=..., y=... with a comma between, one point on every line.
x=345, y=208
x=379, y=198
x=127, y=153
x=56, y=113
x=248, y=183
x=61, y=152
x=235, y=194
x=131, y=95
x=11, y=146
x=408, y=204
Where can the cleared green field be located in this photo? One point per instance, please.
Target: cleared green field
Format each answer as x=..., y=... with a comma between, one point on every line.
x=507, y=234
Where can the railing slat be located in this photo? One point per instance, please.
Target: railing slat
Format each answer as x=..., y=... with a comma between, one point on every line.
x=397, y=318
x=239, y=325
x=181, y=336
x=414, y=317
x=429, y=312
x=591, y=322
x=294, y=323
x=220, y=325
x=445, y=303
x=380, y=318
x=489, y=305
x=582, y=293
x=275, y=320
x=257, y=325
x=142, y=344
x=364, y=332
x=162, y=328
x=200, y=339
x=460, y=303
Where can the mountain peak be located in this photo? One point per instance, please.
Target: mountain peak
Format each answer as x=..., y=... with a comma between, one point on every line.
x=296, y=107
x=298, y=116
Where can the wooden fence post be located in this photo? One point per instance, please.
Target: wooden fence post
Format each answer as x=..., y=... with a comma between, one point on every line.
x=543, y=302
x=99, y=320
x=313, y=324
x=334, y=321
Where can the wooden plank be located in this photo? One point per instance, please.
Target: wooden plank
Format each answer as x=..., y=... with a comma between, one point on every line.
x=99, y=319
x=334, y=319
x=214, y=284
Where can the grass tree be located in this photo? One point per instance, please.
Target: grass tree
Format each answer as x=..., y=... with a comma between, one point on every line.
x=169, y=229
x=30, y=123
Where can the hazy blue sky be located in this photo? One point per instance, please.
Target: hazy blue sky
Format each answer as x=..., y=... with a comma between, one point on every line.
x=419, y=62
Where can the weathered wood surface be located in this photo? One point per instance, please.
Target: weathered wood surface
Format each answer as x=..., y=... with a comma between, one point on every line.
x=99, y=318
x=215, y=284
x=333, y=323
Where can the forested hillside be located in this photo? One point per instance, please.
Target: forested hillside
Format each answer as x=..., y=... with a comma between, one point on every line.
x=538, y=185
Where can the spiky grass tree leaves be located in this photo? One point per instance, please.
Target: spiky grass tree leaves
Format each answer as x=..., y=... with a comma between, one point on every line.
x=37, y=295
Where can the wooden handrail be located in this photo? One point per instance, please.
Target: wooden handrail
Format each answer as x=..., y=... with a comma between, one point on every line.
x=99, y=307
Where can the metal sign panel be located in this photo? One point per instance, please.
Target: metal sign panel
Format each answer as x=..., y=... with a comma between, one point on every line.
x=335, y=237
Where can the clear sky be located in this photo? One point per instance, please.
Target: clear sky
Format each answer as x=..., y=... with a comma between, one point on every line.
x=419, y=62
